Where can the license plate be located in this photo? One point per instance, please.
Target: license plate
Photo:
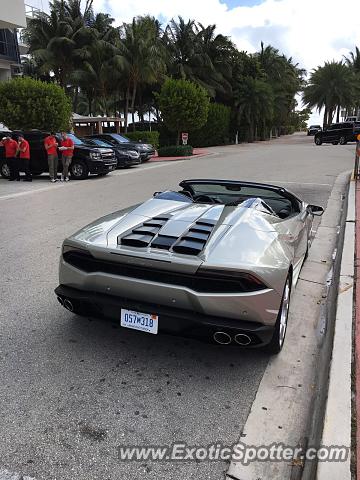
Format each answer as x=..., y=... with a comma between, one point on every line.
x=145, y=322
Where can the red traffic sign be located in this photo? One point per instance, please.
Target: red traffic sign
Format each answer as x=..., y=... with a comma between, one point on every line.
x=184, y=136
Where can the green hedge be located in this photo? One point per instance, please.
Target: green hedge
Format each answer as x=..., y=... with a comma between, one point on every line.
x=216, y=129
x=145, y=137
x=175, y=151
x=27, y=103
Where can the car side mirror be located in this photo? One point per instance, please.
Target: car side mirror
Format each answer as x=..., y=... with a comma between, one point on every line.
x=315, y=210
x=156, y=194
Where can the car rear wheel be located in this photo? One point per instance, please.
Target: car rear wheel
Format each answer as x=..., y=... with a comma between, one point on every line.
x=79, y=170
x=4, y=169
x=278, y=337
x=342, y=141
x=318, y=141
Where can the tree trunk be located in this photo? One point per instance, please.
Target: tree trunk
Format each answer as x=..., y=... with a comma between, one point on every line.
x=330, y=116
x=75, y=99
x=90, y=106
x=325, y=118
x=178, y=137
x=141, y=107
x=338, y=114
x=126, y=112
x=133, y=106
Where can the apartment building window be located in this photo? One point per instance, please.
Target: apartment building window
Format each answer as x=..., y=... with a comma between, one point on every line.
x=8, y=45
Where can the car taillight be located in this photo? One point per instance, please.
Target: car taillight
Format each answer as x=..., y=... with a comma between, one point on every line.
x=247, y=279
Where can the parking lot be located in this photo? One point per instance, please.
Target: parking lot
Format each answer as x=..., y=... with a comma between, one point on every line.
x=75, y=389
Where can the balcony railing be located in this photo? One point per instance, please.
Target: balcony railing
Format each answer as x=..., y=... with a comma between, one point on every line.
x=31, y=11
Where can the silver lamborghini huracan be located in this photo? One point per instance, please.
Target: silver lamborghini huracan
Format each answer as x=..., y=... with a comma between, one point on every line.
x=216, y=260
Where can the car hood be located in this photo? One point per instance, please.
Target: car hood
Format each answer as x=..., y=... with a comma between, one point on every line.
x=231, y=237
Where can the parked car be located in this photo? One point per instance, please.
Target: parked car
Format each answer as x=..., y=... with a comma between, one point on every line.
x=145, y=149
x=313, y=129
x=217, y=261
x=86, y=160
x=125, y=158
x=338, y=133
x=352, y=119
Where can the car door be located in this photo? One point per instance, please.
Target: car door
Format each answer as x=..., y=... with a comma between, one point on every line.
x=38, y=157
x=296, y=230
x=335, y=133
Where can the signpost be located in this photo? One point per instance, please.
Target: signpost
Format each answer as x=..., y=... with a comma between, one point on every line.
x=184, y=137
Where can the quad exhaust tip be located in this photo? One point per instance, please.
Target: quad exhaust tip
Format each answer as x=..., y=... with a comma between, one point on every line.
x=242, y=339
x=68, y=305
x=60, y=300
x=222, y=337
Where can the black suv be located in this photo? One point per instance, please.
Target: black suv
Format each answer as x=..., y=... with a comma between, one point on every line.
x=125, y=158
x=86, y=159
x=313, y=129
x=145, y=149
x=338, y=133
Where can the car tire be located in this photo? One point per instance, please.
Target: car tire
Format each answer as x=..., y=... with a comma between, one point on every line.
x=278, y=338
x=318, y=141
x=342, y=140
x=335, y=143
x=4, y=169
x=79, y=170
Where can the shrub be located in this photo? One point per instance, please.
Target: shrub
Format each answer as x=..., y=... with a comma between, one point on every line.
x=175, y=151
x=145, y=136
x=184, y=106
x=27, y=103
x=216, y=129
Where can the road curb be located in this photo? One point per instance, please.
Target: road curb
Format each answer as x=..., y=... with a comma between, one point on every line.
x=293, y=382
x=337, y=420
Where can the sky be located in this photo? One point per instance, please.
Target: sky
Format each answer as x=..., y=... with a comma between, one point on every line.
x=310, y=31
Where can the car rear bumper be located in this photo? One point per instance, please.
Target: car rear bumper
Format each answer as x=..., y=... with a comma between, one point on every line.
x=172, y=321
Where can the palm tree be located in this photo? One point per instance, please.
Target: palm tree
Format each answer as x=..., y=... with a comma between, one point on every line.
x=255, y=105
x=55, y=38
x=144, y=57
x=198, y=54
x=330, y=87
x=98, y=72
x=353, y=60
x=285, y=79
x=180, y=40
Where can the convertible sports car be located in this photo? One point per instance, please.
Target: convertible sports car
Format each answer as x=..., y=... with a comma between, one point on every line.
x=216, y=260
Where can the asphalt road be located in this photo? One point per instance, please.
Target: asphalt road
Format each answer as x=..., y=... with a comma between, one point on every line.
x=72, y=389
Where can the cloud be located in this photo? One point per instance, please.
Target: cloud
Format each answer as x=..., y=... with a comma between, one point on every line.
x=309, y=31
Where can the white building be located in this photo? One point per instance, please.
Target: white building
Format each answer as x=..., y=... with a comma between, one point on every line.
x=12, y=16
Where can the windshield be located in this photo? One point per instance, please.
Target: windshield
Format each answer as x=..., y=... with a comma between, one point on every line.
x=120, y=138
x=75, y=139
x=98, y=142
